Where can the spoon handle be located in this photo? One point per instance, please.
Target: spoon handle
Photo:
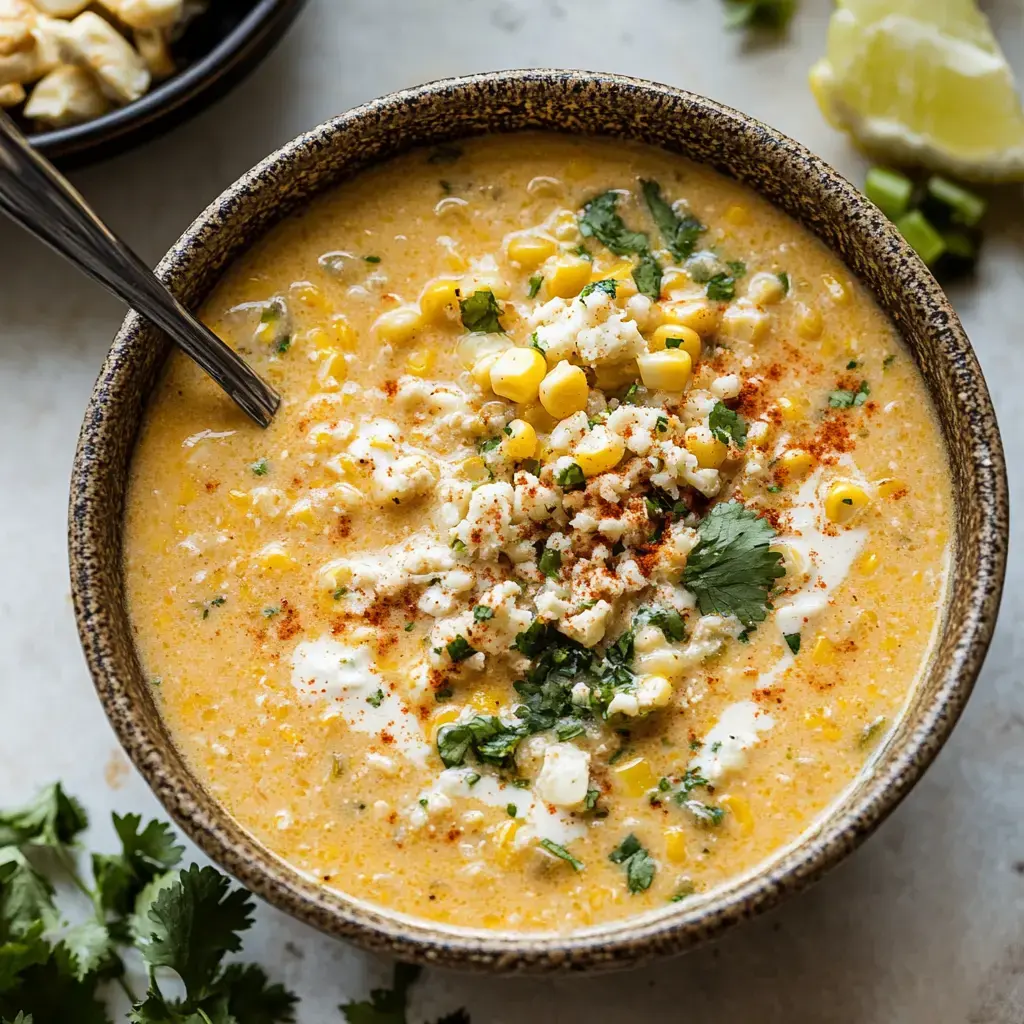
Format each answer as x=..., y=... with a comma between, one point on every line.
x=35, y=195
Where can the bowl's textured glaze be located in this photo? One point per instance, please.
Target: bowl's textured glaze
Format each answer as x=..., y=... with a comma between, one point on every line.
x=790, y=177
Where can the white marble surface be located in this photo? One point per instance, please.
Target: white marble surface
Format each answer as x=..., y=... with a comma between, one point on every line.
x=924, y=924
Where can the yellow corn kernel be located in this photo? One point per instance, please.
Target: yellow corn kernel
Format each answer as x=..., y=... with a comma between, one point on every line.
x=486, y=281
x=474, y=469
x=568, y=277
x=599, y=451
x=302, y=512
x=439, y=300
x=612, y=376
x=187, y=493
x=824, y=651
x=397, y=326
x=737, y=215
x=517, y=372
x=792, y=409
x=887, y=488
x=564, y=390
x=539, y=418
x=766, y=289
x=675, y=844
x=520, y=441
x=796, y=462
x=274, y=557
x=837, y=291
x=530, y=250
x=341, y=333
x=421, y=362
x=697, y=314
x=310, y=296
x=333, y=369
x=564, y=226
x=505, y=836
x=867, y=564
x=481, y=372
x=739, y=807
x=710, y=452
x=239, y=497
x=809, y=322
x=636, y=776
x=621, y=271
x=483, y=702
x=844, y=500
x=666, y=371
x=671, y=336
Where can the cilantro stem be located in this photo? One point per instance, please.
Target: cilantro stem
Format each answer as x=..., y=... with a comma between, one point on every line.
x=71, y=869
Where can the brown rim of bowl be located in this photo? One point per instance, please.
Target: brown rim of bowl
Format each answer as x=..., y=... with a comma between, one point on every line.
x=579, y=103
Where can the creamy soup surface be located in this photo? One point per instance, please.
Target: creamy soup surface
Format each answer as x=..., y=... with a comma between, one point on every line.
x=599, y=540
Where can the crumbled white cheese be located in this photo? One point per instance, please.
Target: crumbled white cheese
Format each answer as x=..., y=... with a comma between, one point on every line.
x=487, y=527
x=588, y=627
x=565, y=775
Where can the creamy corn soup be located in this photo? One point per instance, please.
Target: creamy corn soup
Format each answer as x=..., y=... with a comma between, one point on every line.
x=599, y=539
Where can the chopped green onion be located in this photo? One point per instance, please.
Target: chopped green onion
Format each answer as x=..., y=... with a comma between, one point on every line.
x=967, y=207
x=890, y=191
x=922, y=236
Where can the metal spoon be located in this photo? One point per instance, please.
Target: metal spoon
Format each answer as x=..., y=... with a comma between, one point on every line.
x=35, y=195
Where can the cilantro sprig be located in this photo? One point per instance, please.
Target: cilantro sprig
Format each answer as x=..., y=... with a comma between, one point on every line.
x=481, y=313
x=638, y=864
x=731, y=569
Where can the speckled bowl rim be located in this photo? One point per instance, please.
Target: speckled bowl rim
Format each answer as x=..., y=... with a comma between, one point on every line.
x=772, y=161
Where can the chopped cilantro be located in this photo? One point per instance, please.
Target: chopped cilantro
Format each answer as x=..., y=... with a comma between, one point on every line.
x=888, y=360
x=738, y=267
x=511, y=810
x=372, y=259
x=459, y=649
x=601, y=221
x=481, y=313
x=608, y=285
x=458, y=545
x=773, y=488
x=260, y=467
x=849, y=399
x=531, y=466
x=283, y=344
x=668, y=620
x=269, y=613
x=481, y=613
x=870, y=731
x=630, y=396
x=852, y=364
x=550, y=563
x=769, y=14
x=583, y=252
x=721, y=288
x=637, y=862
x=340, y=593
x=590, y=800
x=731, y=569
x=784, y=281
x=472, y=779
x=661, y=424
x=647, y=276
x=562, y=853
x=679, y=234
x=727, y=425
x=706, y=814
x=489, y=444
x=793, y=642
x=375, y=699
x=490, y=739
x=684, y=889
x=444, y=693
x=410, y=626
x=571, y=478
x=535, y=282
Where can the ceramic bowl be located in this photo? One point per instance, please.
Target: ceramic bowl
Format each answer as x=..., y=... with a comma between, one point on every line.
x=215, y=53
x=580, y=103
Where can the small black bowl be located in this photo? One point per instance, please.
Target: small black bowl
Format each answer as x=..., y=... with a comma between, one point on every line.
x=216, y=52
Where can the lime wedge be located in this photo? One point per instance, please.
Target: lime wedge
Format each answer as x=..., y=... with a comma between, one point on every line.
x=924, y=82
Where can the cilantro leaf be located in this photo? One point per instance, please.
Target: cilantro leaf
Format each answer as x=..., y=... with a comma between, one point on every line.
x=561, y=853
x=731, y=569
x=194, y=924
x=721, y=288
x=608, y=285
x=20, y=1019
x=550, y=563
x=48, y=991
x=385, y=1005
x=639, y=864
x=460, y=649
x=26, y=897
x=679, y=234
x=51, y=819
x=601, y=221
x=144, y=855
x=572, y=478
x=668, y=620
x=535, y=282
x=848, y=399
x=490, y=739
x=647, y=276
x=770, y=14
x=481, y=313
x=89, y=947
x=17, y=955
x=250, y=999
x=727, y=425
x=706, y=814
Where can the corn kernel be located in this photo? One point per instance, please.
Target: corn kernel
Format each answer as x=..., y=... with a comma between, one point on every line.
x=516, y=374
x=481, y=372
x=564, y=226
x=675, y=844
x=302, y=512
x=439, y=300
x=837, y=291
x=671, y=336
x=474, y=469
x=737, y=215
x=809, y=322
x=333, y=369
x=530, y=250
x=520, y=441
x=486, y=281
x=792, y=409
x=739, y=807
x=796, y=462
x=539, y=418
x=890, y=487
x=765, y=289
x=844, y=500
x=867, y=564
x=666, y=371
x=824, y=651
x=310, y=296
x=612, y=376
x=421, y=362
x=697, y=314
x=505, y=839
x=599, y=451
x=564, y=390
x=636, y=776
x=274, y=557
x=710, y=452
x=398, y=325
x=568, y=277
